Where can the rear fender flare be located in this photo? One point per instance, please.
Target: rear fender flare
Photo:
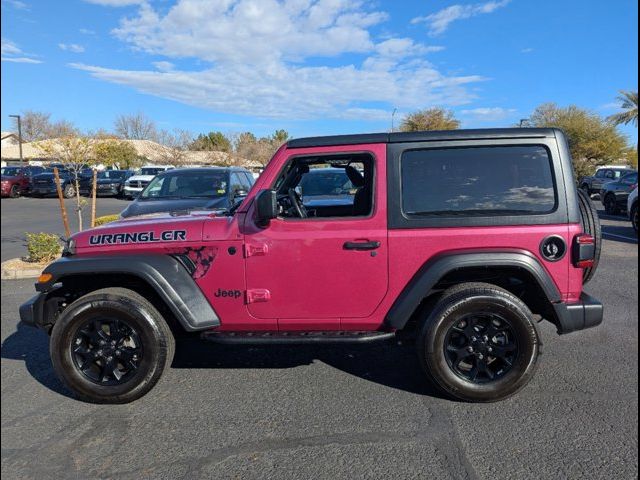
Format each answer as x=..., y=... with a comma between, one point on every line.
x=427, y=277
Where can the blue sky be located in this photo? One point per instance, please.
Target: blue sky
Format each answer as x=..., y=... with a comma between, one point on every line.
x=313, y=66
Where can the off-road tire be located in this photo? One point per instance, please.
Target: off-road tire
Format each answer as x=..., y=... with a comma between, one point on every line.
x=459, y=302
x=158, y=344
x=14, y=192
x=591, y=226
x=68, y=191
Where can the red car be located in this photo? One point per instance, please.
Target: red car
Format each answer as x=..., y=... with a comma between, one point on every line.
x=16, y=180
x=456, y=240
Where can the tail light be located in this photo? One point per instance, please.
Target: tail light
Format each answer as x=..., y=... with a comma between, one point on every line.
x=584, y=251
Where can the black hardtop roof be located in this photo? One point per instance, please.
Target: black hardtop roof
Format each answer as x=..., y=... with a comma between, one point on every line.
x=430, y=136
x=204, y=170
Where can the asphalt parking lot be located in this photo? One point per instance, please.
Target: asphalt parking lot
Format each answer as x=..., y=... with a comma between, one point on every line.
x=328, y=412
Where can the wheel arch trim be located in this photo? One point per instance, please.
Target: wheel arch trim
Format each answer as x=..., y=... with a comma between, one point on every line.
x=432, y=271
x=163, y=273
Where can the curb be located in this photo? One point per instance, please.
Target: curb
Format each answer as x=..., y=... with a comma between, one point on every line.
x=20, y=273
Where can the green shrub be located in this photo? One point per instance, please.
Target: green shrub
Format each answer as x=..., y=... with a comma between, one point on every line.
x=105, y=219
x=42, y=247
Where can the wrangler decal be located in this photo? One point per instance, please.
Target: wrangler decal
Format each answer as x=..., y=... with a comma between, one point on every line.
x=138, y=237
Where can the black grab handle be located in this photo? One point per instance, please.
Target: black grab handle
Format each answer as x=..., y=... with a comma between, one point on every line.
x=361, y=245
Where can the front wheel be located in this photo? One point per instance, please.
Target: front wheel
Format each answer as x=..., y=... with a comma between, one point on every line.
x=111, y=346
x=479, y=343
x=610, y=205
x=14, y=192
x=634, y=218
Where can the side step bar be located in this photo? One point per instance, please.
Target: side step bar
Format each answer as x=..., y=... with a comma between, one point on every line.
x=282, y=338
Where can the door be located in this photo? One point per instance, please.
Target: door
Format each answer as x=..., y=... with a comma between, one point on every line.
x=314, y=271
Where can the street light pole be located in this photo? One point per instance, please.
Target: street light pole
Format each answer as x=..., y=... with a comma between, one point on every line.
x=19, y=135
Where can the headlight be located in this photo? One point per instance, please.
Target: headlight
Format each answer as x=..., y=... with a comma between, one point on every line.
x=69, y=248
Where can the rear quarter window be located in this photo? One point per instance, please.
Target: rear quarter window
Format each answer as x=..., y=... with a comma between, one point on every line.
x=477, y=181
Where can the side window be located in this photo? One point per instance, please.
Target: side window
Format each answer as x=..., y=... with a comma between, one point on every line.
x=609, y=174
x=631, y=179
x=327, y=186
x=509, y=180
x=600, y=174
x=236, y=183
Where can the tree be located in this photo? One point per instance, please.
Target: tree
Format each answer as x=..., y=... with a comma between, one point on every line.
x=629, y=104
x=173, y=146
x=114, y=152
x=279, y=137
x=135, y=127
x=429, y=119
x=593, y=141
x=61, y=128
x=212, y=141
x=34, y=125
x=76, y=152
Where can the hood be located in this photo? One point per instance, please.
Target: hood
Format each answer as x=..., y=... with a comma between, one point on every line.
x=144, y=207
x=49, y=176
x=155, y=233
x=142, y=178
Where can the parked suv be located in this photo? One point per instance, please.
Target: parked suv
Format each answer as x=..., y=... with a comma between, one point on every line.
x=593, y=185
x=186, y=189
x=614, y=195
x=44, y=183
x=455, y=240
x=17, y=180
x=138, y=182
x=108, y=183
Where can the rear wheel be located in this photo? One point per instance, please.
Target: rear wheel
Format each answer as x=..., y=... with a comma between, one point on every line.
x=111, y=346
x=610, y=204
x=591, y=226
x=479, y=343
x=69, y=191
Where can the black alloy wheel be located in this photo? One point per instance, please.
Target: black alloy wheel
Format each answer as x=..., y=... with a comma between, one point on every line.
x=481, y=348
x=107, y=351
x=610, y=205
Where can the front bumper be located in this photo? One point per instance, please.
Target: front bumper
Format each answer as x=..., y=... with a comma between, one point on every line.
x=132, y=191
x=32, y=311
x=40, y=190
x=586, y=313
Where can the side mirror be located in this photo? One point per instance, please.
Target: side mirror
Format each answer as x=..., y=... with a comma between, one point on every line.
x=240, y=193
x=266, y=207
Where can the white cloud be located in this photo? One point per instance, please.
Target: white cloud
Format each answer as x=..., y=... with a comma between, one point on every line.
x=86, y=31
x=12, y=53
x=115, y=3
x=265, y=59
x=527, y=50
x=20, y=60
x=17, y=4
x=439, y=22
x=163, y=66
x=488, y=114
x=71, y=47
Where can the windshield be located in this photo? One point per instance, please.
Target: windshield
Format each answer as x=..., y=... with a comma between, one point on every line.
x=113, y=174
x=195, y=184
x=329, y=182
x=151, y=171
x=10, y=171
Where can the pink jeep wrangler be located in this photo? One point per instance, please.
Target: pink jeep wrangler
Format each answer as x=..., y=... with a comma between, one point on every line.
x=460, y=240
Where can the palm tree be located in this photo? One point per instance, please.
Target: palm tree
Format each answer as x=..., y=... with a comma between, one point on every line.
x=629, y=104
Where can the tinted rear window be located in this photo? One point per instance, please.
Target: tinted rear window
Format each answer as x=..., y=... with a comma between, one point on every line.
x=514, y=180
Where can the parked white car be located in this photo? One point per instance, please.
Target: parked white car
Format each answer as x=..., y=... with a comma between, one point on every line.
x=632, y=208
x=140, y=180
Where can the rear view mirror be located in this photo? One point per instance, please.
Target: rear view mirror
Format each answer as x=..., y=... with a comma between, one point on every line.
x=266, y=207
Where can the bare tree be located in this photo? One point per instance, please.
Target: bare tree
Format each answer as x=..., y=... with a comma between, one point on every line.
x=61, y=128
x=135, y=127
x=35, y=125
x=174, y=146
x=76, y=152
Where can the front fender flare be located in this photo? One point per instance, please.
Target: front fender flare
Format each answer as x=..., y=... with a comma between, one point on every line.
x=165, y=274
x=433, y=270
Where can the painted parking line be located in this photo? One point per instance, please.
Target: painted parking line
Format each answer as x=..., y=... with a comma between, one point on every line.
x=619, y=236
x=610, y=217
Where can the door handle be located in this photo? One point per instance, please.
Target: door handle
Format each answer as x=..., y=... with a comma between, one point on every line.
x=361, y=245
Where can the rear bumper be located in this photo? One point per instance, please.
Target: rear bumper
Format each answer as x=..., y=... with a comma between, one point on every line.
x=586, y=313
